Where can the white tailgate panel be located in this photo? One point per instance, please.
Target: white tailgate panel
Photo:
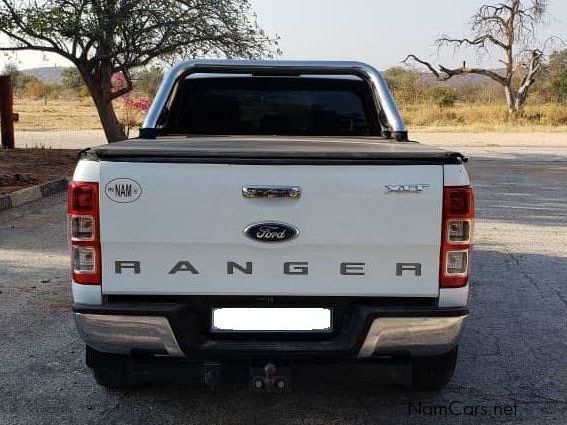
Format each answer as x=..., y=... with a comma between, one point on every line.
x=196, y=213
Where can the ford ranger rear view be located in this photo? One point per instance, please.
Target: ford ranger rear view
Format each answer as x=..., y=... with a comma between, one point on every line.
x=270, y=213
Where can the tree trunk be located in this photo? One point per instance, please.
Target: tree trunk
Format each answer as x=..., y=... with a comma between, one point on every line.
x=510, y=99
x=113, y=130
x=520, y=101
x=522, y=96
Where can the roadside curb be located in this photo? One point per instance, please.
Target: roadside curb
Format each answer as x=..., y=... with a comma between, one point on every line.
x=32, y=193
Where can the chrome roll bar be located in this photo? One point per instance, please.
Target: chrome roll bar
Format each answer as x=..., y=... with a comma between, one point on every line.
x=385, y=103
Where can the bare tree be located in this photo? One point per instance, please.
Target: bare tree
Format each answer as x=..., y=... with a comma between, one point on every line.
x=508, y=28
x=108, y=37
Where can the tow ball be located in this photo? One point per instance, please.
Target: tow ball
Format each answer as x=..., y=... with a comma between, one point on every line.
x=270, y=378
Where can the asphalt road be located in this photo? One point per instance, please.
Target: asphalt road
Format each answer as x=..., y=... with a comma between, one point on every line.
x=512, y=364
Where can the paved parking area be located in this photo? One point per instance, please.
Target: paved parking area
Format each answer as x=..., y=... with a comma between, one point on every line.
x=512, y=364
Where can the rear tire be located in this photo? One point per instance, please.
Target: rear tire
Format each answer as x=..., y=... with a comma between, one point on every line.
x=433, y=373
x=110, y=370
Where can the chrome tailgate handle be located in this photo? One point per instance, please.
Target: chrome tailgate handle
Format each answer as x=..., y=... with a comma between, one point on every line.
x=271, y=192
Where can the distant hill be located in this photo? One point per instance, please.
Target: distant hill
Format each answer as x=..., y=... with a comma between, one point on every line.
x=52, y=74
x=47, y=74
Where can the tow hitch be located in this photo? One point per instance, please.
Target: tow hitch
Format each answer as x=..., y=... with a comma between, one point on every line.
x=270, y=378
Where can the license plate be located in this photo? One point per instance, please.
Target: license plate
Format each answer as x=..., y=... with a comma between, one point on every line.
x=271, y=320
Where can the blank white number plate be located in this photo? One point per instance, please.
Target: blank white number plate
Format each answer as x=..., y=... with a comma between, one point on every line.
x=271, y=320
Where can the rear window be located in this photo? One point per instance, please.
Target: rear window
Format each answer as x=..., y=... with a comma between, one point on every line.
x=273, y=106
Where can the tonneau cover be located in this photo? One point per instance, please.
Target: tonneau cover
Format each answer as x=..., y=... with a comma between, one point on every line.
x=276, y=149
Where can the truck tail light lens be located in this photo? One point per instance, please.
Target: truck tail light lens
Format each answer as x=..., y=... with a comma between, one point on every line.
x=457, y=262
x=459, y=231
x=456, y=242
x=84, y=259
x=82, y=228
x=84, y=236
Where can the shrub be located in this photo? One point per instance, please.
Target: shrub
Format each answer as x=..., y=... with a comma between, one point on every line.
x=442, y=96
x=132, y=111
x=559, y=87
x=39, y=90
x=404, y=84
x=147, y=80
x=71, y=79
x=19, y=78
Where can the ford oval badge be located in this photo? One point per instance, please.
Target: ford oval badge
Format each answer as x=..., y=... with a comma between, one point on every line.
x=271, y=232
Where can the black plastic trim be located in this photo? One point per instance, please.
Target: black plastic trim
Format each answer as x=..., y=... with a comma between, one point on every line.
x=281, y=161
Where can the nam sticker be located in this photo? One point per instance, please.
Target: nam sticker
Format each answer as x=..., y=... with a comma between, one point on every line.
x=123, y=190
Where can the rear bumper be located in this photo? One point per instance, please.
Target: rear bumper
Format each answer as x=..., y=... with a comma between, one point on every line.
x=360, y=331
x=122, y=334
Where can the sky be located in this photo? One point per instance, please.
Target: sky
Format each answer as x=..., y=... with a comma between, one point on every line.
x=379, y=32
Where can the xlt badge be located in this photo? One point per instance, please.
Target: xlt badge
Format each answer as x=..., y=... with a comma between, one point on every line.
x=405, y=188
x=271, y=232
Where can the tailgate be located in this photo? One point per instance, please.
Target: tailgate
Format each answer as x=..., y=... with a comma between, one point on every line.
x=179, y=229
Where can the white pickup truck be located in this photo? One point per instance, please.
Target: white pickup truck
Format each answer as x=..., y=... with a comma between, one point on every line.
x=271, y=212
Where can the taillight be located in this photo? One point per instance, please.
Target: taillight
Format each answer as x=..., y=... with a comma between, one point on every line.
x=456, y=234
x=84, y=234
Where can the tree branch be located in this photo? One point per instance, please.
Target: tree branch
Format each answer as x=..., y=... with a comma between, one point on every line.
x=463, y=70
x=480, y=71
x=478, y=41
x=532, y=70
x=26, y=45
x=425, y=63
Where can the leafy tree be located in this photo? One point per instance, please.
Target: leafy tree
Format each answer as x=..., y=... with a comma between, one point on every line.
x=404, y=84
x=557, y=62
x=543, y=88
x=19, y=78
x=559, y=86
x=399, y=78
x=556, y=71
x=508, y=28
x=71, y=79
x=105, y=37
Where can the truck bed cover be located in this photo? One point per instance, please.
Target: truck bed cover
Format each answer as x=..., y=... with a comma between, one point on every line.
x=271, y=149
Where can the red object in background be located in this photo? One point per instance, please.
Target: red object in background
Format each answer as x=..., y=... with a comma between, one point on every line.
x=118, y=82
x=6, y=112
x=141, y=105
